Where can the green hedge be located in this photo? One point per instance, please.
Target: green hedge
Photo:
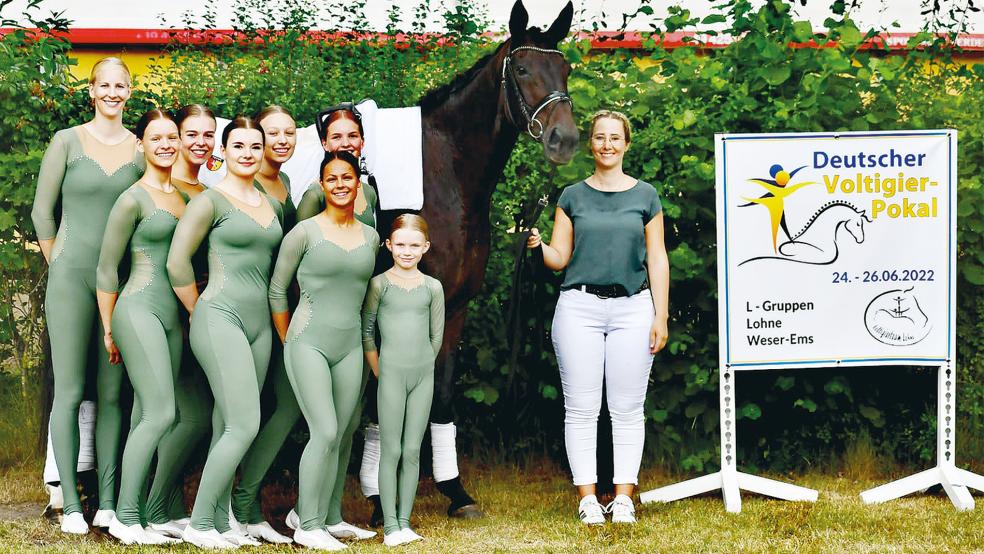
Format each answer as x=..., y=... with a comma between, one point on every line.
x=677, y=102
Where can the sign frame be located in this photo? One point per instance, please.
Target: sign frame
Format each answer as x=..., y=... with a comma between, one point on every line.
x=953, y=479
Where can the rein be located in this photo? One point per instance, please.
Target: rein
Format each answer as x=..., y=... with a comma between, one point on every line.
x=530, y=113
x=528, y=289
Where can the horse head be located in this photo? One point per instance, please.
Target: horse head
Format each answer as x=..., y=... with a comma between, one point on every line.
x=855, y=226
x=534, y=81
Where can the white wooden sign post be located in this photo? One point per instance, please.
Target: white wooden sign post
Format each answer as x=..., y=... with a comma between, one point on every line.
x=835, y=249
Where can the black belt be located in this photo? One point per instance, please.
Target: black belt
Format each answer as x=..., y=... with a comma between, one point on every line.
x=607, y=291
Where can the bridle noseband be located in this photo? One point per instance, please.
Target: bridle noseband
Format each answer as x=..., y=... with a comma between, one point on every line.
x=509, y=76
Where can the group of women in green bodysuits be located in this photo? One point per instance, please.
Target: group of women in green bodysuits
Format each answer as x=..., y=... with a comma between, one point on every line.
x=203, y=297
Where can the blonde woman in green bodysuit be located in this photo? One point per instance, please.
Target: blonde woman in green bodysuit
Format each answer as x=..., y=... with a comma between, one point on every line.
x=84, y=170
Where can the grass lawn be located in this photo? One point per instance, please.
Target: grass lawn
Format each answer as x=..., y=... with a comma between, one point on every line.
x=532, y=509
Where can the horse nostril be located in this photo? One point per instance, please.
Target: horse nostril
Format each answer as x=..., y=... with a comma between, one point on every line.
x=554, y=138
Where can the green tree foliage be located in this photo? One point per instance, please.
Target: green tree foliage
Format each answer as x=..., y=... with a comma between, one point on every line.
x=677, y=99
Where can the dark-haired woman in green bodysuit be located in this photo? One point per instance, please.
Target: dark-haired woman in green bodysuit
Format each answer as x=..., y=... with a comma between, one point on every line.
x=230, y=326
x=83, y=171
x=332, y=255
x=343, y=132
x=143, y=318
x=281, y=137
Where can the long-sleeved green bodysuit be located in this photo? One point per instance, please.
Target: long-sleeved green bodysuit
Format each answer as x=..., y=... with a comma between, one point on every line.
x=273, y=433
x=165, y=501
x=312, y=203
x=85, y=177
x=411, y=328
x=146, y=330
x=230, y=329
x=323, y=350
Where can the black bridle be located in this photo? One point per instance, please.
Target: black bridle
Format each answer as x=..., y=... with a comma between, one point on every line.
x=529, y=113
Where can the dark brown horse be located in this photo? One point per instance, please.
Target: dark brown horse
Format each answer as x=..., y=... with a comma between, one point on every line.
x=469, y=129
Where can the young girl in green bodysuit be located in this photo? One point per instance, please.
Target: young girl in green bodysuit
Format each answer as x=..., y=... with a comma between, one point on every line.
x=142, y=319
x=83, y=171
x=408, y=308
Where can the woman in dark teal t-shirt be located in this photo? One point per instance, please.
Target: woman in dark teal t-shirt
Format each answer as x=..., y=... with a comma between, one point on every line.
x=611, y=317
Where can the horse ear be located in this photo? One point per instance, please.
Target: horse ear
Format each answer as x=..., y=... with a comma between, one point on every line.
x=518, y=20
x=562, y=25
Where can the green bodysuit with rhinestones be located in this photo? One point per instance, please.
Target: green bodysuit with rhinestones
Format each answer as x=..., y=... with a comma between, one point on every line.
x=84, y=177
x=411, y=328
x=273, y=434
x=145, y=328
x=323, y=350
x=312, y=203
x=230, y=328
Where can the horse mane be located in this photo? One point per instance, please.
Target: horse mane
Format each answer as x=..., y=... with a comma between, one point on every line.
x=819, y=212
x=438, y=96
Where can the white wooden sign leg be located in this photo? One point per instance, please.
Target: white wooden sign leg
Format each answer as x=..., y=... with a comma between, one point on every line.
x=953, y=479
x=729, y=479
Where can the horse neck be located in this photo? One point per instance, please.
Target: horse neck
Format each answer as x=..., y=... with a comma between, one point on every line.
x=469, y=125
x=822, y=215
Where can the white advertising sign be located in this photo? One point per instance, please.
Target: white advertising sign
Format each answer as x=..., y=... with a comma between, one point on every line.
x=836, y=248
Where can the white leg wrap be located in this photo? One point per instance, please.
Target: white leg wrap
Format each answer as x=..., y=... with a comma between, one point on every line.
x=50, y=470
x=445, y=452
x=369, y=472
x=87, y=449
x=87, y=436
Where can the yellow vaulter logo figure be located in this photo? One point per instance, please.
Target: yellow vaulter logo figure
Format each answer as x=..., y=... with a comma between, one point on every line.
x=778, y=188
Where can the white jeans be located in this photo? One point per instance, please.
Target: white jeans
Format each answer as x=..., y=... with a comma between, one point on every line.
x=595, y=339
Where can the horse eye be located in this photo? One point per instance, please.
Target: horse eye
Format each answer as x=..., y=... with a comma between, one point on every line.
x=520, y=70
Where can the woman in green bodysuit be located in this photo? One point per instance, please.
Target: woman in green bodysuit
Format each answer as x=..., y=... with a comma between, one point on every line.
x=230, y=329
x=342, y=132
x=166, y=510
x=84, y=170
x=281, y=137
x=409, y=309
x=332, y=254
x=143, y=318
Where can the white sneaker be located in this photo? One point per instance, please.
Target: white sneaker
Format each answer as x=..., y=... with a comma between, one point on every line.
x=75, y=524
x=103, y=518
x=239, y=539
x=410, y=535
x=319, y=539
x=137, y=534
x=169, y=529
x=183, y=522
x=621, y=509
x=345, y=530
x=293, y=520
x=590, y=511
x=156, y=537
x=265, y=532
x=396, y=538
x=127, y=534
x=205, y=539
